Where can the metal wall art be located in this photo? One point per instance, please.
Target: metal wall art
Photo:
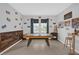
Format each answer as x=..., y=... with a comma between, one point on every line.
x=7, y=12
x=4, y=26
x=21, y=19
x=16, y=19
x=19, y=23
x=8, y=19
x=15, y=26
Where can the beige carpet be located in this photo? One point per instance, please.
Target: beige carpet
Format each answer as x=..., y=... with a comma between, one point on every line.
x=38, y=47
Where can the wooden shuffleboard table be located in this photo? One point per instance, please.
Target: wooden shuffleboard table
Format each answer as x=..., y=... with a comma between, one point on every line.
x=31, y=37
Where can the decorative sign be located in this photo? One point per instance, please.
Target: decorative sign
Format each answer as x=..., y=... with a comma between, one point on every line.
x=7, y=12
x=15, y=26
x=16, y=19
x=54, y=23
x=25, y=23
x=19, y=23
x=68, y=15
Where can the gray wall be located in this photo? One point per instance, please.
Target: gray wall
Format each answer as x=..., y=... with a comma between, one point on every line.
x=62, y=32
x=3, y=16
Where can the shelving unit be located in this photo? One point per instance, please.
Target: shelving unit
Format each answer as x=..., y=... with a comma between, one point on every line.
x=9, y=38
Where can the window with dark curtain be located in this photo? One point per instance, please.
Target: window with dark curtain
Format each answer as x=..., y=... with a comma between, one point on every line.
x=43, y=28
x=45, y=25
x=33, y=21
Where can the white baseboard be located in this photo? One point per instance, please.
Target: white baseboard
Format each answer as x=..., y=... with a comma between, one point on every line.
x=10, y=47
x=77, y=51
x=61, y=41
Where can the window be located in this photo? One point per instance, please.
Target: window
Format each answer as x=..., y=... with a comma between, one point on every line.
x=36, y=28
x=39, y=27
x=43, y=28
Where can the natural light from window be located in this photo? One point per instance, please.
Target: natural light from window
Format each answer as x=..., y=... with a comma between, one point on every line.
x=40, y=28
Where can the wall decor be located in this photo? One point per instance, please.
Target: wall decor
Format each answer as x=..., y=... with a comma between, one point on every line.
x=27, y=19
x=61, y=24
x=16, y=13
x=16, y=19
x=15, y=26
x=8, y=19
x=7, y=12
x=19, y=23
x=28, y=26
x=75, y=23
x=68, y=15
x=25, y=23
x=67, y=23
x=54, y=23
x=4, y=26
x=21, y=19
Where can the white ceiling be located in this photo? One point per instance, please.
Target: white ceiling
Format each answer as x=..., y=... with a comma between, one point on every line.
x=40, y=8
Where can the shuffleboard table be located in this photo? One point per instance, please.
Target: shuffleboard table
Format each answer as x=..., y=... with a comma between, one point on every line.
x=31, y=37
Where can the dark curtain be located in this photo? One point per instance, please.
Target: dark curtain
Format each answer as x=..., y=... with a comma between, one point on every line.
x=33, y=21
x=37, y=21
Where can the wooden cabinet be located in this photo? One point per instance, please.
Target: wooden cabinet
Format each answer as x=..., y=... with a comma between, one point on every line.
x=9, y=38
x=54, y=35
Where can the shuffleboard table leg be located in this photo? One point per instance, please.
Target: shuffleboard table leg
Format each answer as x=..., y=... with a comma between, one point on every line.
x=47, y=42
x=29, y=41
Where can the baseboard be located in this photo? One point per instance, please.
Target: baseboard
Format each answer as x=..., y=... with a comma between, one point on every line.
x=9, y=47
x=61, y=41
x=77, y=51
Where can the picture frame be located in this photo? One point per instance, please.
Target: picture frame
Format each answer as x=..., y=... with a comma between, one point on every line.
x=68, y=15
x=7, y=12
x=75, y=23
x=61, y=24
x=67, y=23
